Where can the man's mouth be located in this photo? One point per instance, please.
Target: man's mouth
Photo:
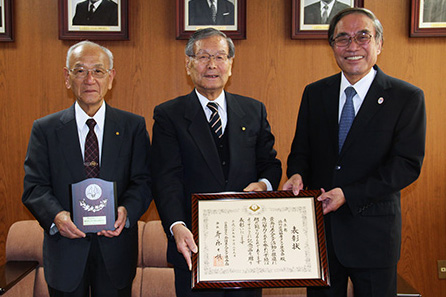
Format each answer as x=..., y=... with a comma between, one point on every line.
x=354, y=58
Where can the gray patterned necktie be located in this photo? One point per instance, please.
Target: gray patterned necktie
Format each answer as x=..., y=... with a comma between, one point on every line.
x=347, y=116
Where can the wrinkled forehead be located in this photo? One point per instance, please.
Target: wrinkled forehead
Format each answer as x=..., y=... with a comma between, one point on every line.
x=88, y=55
x=213, y=43
x=354, y=23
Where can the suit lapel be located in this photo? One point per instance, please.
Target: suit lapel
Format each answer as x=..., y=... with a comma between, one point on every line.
x=330, y=101
x=369, y=107
x=114, y=129
x=202, y=136
x=236, y=121
x=69, y=139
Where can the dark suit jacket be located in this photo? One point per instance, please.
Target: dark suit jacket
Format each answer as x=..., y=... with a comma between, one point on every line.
x=54, y=161
x=186, y=158
x=105, y=15
x=382, y=154
x=312, y=13
x=200, y=13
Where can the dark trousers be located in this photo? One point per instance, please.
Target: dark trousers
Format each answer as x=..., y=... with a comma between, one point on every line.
x=183, y=281
x=95, y=279
x=367, y=282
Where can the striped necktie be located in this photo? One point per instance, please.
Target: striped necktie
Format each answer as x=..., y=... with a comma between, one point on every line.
x=215, y=120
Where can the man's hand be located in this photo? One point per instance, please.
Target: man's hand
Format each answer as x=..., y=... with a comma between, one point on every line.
x=256, y=187
x=294, y=184
x=331, y=200
x=66, y=226
x=185, y=242
x=119, y=224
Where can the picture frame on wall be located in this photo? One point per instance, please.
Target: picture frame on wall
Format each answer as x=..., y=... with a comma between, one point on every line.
x=229, y=17
x=311, y=18
x=6, y=20
x=107, y=20
x=428, y=18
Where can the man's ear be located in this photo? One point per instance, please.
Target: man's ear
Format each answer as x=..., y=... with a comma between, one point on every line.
x=188, y=60
x=66, y=74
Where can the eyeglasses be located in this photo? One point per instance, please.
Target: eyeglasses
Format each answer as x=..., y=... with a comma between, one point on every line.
x=81, y=72
x=361, y=38
x=204, y=58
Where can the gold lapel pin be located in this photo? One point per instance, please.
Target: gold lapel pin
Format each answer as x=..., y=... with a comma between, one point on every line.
x=117, y=133
x=243, y=128
x=380, y=100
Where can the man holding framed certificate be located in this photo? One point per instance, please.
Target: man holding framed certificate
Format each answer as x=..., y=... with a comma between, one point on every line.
x=100, y=153
x=206, y=142
x=360, y=137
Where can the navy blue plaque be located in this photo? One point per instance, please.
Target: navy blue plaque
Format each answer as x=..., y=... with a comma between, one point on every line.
x=94, y=205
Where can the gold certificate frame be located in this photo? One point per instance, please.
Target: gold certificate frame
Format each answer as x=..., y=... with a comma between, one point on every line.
x=259, y=239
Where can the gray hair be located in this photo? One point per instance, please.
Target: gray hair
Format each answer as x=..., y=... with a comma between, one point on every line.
x=206, y=33
x=90, y=43
x=379, y=36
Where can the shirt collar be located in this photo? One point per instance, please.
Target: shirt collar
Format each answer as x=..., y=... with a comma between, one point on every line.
x=362, y=86
x=96, y=4
x=330, y=5
x=82, y=117
x=221, y=100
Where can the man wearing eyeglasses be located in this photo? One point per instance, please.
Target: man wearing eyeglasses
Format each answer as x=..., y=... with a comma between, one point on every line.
x=103, y=262
x=208, y=141
x=360, y=137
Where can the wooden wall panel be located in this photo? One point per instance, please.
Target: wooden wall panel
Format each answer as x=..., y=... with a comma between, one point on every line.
x=269, y=66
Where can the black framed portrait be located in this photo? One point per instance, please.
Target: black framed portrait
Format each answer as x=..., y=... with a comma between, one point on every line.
x=93, y=19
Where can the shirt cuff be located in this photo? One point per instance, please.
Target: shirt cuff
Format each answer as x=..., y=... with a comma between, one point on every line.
x=176, y=223
x=269, y=187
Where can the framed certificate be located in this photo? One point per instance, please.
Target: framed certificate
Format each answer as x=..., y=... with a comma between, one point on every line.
x=94, y=205
x=261, y=239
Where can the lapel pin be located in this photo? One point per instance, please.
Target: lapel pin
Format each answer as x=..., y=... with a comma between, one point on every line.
x=380, y=100
x=117, y=133
x=243, y=128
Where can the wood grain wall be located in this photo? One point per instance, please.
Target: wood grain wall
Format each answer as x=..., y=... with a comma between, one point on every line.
x=269, y=66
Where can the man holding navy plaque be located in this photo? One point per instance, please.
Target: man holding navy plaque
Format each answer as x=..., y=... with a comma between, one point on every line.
x=90, y=139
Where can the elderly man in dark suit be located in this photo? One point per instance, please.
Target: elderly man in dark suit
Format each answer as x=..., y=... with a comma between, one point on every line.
x=96, y=13
x=211, y=12
x=60, y=144
x=322, y=12
x=206, y=142
x=360, y=137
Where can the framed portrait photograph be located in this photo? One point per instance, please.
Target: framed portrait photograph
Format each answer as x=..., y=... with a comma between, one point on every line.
x=228, y=16
x=311, y=18
x=259, y=239
x=6, y=20
x=93, y=19
x=428, y=18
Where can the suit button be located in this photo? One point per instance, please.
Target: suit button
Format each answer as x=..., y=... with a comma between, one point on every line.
x=223, y=163
x=338, y=167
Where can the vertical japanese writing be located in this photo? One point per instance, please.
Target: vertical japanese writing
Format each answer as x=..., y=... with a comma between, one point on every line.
x=295, y=238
